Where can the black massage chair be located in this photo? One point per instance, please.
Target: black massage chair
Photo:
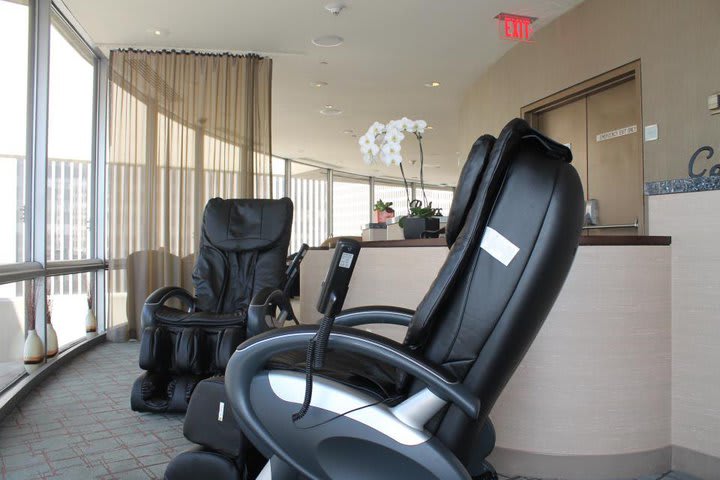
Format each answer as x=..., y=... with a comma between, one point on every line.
x=239, y=277
x=336, y=402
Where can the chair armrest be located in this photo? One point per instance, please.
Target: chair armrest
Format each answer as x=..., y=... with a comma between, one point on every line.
x=252, y=356
x=374, y=314
x=262, y=305
x=158, y=298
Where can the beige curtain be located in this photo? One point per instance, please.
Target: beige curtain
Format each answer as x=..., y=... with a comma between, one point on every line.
x=184, y=128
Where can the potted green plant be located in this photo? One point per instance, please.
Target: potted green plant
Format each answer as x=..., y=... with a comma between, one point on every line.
x=421, y=220
x=383, y=211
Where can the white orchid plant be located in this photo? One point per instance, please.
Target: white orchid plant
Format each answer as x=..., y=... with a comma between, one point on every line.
x=390, y=136
x=382, y=142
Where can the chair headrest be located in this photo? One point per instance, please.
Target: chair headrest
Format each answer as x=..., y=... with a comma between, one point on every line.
x=467, y=186
x=514, y=134
x=246, y=224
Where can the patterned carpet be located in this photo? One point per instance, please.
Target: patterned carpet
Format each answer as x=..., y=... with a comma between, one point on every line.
x=78, y=425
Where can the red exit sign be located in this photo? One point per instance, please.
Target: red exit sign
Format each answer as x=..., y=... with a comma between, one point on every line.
x=515, y=27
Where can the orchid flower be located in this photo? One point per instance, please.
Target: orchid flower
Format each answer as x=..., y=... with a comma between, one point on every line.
x=420, y=126
x=394, y=136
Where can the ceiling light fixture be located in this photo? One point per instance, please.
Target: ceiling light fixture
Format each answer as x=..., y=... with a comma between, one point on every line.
x=335, y=8
x=347, y=132
x=158, y=32
x=432, y=84
x=330, y=111
x=319, y=84
x=328, y=41
x=428, y=127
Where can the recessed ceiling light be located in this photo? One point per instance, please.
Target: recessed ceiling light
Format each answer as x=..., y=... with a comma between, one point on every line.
x=432, y=84
x=428, y=127
x=158, y=32
x=319, y=84
x=328, y=41
x=330, y=111
x=347, y=132
x=323, y=62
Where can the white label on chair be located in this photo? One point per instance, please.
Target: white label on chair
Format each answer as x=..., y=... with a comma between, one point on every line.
x=221, y=412
x=502, y=249
x=346, y=260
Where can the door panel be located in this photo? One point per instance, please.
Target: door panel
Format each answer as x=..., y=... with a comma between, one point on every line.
x=567, y=125
x=614, y=163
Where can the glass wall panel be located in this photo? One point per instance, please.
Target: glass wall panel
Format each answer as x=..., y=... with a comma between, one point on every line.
x=12, y=326
x=351, y=204
x=263, y=178
x=68, y=299
x=392, y=192
x=13, y=124
x=309, y=193
x=70, y=133
x=439, y=197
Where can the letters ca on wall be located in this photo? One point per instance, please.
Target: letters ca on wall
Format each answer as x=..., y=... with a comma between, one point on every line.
x=698, y=166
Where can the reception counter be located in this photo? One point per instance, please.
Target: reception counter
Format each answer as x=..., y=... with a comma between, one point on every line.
x=591, y=399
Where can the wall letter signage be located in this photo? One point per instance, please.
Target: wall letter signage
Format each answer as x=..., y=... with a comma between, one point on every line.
x=714, y=170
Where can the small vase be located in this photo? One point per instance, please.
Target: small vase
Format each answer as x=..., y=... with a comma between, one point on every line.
x=33, y=353
x=90, y=323
x=52, y=340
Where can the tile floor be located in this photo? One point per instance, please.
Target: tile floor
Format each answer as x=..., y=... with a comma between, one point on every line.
x=78, y=425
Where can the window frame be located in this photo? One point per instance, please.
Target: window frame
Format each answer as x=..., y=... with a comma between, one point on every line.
x=41, y=15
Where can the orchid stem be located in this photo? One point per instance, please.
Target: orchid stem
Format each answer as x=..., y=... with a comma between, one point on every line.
x=407, y=189
x=422, y=161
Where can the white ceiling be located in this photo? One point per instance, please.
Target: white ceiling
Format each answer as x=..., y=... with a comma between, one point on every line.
x=392, y=48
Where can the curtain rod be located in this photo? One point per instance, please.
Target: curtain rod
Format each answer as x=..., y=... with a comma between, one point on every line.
x=190, y=52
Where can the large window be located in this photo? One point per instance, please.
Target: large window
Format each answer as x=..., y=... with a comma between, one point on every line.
x=70, y=142
x=309, y=193
x=47, y=125
x=439, y=197
x=13, y=122
x=270, y=172
x=351, y=204
x=12, y=325
x=13, y=182
x=68, y=298
x=392, y=192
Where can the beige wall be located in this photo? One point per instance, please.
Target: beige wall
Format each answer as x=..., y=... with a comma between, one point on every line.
x=693, y=221
x=597, y=379
x=677, y=42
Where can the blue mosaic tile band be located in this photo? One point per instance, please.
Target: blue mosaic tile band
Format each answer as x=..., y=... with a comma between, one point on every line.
x=683, y=185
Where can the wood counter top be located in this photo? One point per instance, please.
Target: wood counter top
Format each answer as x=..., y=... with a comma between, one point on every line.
x=585, y=240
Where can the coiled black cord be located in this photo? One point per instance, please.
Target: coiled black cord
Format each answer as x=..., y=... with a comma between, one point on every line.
x=314, y=358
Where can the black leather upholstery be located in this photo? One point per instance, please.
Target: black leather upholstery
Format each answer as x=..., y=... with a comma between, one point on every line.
x=482, y=312
x=467, y=186
x=202, y=463
x=243, y=250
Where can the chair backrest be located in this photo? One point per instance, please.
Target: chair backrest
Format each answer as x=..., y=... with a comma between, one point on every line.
x=243, y=248
x=502, y=274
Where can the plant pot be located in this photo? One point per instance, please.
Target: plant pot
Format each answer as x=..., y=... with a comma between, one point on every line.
x=413, y=227
x=383, y=217
x=90, y=323
x=52, y=340
x=34, y=352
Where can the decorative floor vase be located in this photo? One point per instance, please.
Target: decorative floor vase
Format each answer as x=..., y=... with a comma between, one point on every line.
x=52, y=340
x=33, y=353
x=90, y=323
